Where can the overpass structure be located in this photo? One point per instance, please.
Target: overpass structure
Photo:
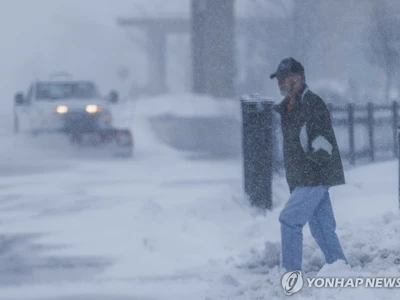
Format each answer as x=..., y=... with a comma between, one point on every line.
x=157, y=31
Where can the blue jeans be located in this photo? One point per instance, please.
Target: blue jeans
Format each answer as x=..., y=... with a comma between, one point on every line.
x=308, y=204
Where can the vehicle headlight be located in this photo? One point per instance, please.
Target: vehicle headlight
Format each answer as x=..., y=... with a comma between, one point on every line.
x=93, y=108
x=61, y=109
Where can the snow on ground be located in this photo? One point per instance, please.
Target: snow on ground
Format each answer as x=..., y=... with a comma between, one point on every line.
x=161, y=226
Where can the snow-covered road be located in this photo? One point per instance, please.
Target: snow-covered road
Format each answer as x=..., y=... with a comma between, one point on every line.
x=104, y=225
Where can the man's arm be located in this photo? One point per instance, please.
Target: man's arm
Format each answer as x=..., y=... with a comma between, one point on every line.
x=320, y=133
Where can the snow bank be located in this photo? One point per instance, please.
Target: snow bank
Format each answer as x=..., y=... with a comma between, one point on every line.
x=193, y=124
x=186, y=105
x=368, y=223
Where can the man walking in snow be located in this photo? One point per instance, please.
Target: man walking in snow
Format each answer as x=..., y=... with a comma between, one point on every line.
x=313, y=164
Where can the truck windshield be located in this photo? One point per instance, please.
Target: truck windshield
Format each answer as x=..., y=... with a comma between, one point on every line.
x=66, y=90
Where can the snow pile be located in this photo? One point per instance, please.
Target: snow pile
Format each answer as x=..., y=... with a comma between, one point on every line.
x=373, y=251
x=369, y=233
x=186, y=105
x=196, y=124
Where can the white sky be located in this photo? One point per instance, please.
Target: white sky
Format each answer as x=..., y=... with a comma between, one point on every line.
x=44, y=36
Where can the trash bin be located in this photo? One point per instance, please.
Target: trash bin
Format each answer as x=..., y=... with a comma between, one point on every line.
x=258, y=150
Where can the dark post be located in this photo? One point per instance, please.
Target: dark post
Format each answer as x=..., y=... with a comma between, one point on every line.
x=395, y=111
x=352, y=152
x=371, y=121
x=257, y=145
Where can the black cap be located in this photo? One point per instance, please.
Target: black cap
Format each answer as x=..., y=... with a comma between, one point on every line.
x=288, y=66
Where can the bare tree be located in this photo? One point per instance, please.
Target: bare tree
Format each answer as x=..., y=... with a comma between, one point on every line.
x=383, y=41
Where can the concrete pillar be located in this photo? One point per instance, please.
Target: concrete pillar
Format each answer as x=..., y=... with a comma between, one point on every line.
x=157, y=59
x=213, y=47
x=198, y=30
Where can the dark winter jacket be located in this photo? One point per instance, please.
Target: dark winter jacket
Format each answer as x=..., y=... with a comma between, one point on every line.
x=311, y=154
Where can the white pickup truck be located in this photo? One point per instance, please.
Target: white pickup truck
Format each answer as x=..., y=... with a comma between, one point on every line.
x=74, y=108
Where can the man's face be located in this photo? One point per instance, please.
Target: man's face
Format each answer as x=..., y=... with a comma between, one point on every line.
x=288, y=85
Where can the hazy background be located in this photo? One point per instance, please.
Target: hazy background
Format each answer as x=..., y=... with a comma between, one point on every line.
x=332, y=39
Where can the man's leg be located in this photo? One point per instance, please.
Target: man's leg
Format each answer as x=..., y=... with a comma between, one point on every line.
x=322, y=226
x=298, y=210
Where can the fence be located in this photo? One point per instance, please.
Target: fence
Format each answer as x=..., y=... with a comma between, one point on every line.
x=365, y=133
